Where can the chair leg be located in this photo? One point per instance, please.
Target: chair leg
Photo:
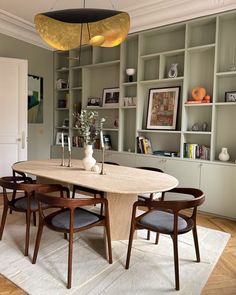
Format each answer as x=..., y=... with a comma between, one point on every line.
x=176, y=260
x=132, y=230
x=157, y=238
x=34, y=218
x=37, y=242
x=73, y=193
x=108, y=233
x=196, y=244
x=4, y=216
x=69, y=275
x=27, y=235
x=13, y=198
x=148, y=235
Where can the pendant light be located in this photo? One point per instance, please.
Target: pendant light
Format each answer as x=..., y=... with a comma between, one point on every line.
x=72, y=28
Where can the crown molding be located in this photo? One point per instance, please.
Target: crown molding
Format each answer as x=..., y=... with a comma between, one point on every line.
x=149, y=14
x=158, y=13
x=18, y=28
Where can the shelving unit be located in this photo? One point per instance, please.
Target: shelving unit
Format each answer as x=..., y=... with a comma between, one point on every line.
x=204, y=50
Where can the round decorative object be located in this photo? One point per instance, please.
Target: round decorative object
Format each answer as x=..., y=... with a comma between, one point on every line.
x=173, y=71
x=196, y=127
x=88, y=161
x=130, y=72
x=224, y=155
x=198, y=93
x=95, y=168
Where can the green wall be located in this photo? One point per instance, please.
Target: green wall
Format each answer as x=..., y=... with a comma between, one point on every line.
x=40, y=63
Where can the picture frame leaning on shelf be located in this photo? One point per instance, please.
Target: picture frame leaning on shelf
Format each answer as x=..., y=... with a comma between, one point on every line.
x=111, y=97
x=163, y=108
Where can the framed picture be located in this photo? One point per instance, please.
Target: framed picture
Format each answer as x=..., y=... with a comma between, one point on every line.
x=230, y=96
x=94, y=102
x=66, y=122
x=35, y=99
x=59, y=136
x=111, y=97
x=163, y=108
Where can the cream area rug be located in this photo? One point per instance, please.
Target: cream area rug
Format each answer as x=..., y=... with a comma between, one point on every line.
x=151, y=268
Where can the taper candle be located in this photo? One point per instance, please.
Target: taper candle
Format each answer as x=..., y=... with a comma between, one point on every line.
x=101, y=139
x=69, y=145
x=62, y=139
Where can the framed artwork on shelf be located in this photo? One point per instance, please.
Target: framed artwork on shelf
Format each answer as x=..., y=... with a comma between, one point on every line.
x=230, y=96
x=163, y=108
x=107, y=141
x=35, y=99
x=94, y=102
x=111, y=97
x=66, y=122
x=59, y=138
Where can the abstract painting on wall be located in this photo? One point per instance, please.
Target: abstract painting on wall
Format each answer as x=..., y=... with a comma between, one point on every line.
x=35, y=99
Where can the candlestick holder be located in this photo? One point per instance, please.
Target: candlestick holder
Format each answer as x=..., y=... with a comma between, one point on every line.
x=69, y=160
x=103, y=156
x=63, y=156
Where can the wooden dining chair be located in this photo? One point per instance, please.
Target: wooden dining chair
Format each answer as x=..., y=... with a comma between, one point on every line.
x=69, y=219
x=89, y=191
x=26, y=203
x=165, y=217
x=146, y=196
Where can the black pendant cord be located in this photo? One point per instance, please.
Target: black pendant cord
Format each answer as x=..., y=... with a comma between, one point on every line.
x=80, y=42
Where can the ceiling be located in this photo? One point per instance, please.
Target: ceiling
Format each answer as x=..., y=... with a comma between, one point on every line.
x=17, y=17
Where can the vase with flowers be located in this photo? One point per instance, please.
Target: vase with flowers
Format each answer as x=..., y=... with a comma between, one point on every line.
x=86, y=122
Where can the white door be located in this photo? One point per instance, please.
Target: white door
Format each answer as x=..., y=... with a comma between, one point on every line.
x=13, y=113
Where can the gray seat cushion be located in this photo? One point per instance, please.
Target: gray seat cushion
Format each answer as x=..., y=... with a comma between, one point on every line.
x=162, y=221
x=21, y=203
x=81, y=218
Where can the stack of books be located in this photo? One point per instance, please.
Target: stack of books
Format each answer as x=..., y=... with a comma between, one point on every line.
x=196, y=151
x=144, y=145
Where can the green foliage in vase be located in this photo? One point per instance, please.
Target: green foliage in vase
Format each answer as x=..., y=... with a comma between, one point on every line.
x=87, y=125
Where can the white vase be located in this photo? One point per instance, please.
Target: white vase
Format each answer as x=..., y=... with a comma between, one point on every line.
x=224, y=155
x=88, y=161
x=173, y=71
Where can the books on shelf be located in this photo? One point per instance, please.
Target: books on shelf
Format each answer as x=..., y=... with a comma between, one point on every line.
x=196, y=151
x=144, y=145
x=77, y=141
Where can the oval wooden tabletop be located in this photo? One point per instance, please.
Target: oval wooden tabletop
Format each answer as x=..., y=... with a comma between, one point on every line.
x=118, y=179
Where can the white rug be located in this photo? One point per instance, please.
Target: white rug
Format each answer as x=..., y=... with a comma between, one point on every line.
x=151, y=267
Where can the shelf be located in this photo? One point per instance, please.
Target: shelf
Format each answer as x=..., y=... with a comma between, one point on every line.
x=201, y=48
x=130, y=83
x=162, y=80
x=103, y=64
x=198, y=132
x=159, y=131
x=128, y=107
x=62, y=109
x=76, y=68
x=225, y=104
x=62, y=70
x=198, y=104
x=110, y=129
x=226, y=74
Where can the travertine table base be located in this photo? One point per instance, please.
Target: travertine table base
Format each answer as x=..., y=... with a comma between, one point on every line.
x=121, y=184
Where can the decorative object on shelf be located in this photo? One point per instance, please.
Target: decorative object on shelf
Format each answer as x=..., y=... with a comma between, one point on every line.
x=173, y=71
x=207, y=98
x=204, y=126
x=62, y=137
x=66, y=123
x=107, y=141
x=94, y=102
x=224, y=155
x=130, y=73
x=196, y=127
x=230, y=96
x=198, y=93
x=232, y=66
x=116, y=123
x=62, y=103
x=61, y=84
x=35, y=99
x=163, y=107
x=111, y=97
x=97, y=27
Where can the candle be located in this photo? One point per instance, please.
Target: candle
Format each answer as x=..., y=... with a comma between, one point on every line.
x=101, y=139
x=69, y=145
x=62, y=139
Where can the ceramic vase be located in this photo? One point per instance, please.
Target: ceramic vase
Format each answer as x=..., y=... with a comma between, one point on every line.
x=88, y=161
x=224, y=155
x=173, y=71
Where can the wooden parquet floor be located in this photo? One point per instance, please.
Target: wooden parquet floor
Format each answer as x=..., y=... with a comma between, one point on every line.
x=223, y=278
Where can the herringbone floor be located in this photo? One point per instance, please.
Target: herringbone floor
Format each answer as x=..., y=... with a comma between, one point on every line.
x=223, y=278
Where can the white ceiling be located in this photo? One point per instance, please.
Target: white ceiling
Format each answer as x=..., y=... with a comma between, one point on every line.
x=17, y=16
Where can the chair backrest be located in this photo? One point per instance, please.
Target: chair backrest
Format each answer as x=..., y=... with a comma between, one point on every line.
x=176, y=205
x=22, y=183
x=151, y=169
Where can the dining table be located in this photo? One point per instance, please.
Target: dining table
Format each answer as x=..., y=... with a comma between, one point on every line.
x=121, y=185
